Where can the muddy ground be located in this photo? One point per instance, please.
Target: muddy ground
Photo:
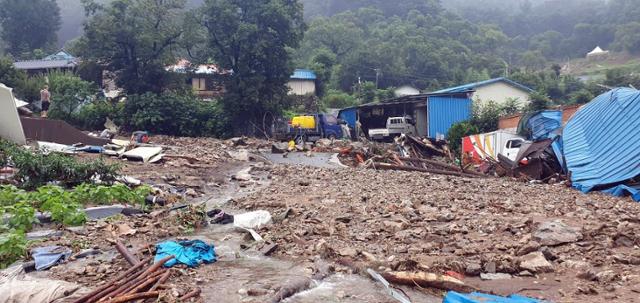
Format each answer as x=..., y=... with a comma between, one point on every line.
x=331, y=223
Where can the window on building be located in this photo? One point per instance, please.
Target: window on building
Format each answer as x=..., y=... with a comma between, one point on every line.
x=199, y=84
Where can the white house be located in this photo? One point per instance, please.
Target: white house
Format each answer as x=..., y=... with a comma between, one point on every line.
x=498, y=90
x=302, y=83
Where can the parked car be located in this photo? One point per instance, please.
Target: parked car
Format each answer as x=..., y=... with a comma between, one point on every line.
x=396, y=126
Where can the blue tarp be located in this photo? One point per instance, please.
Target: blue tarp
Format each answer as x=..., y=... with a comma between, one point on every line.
x=190, y=253
x=602, y=143
x=49, y=256
x=541, y=125
x=476, y=297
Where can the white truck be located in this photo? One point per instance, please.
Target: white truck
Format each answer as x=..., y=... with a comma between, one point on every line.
x=476, y=148
x=396, y=126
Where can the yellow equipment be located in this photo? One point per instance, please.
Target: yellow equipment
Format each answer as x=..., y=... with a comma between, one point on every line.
x=305, y=122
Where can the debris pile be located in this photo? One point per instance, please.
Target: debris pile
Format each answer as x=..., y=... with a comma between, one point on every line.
x=483, y=229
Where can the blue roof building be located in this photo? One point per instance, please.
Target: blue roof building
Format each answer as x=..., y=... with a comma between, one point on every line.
x=302, y=82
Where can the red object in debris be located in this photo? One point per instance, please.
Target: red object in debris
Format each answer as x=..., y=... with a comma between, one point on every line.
x=524, y=161
x=454, y=274
x=6, y=170
x=360, y=158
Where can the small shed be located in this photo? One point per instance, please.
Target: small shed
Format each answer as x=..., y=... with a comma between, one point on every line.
x=302, y=82
x=597, y=53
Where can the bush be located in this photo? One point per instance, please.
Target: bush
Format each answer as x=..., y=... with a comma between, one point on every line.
x=174, y=115
x=36, y=169
x=92, y=116
x=68, y=92
x=338, y=99
x=459, y=131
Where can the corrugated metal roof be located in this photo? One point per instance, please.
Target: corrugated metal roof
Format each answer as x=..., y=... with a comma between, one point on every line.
x=44, y=64
x=304, y=74
x=473, y=86
x=602, y=141
x=61, y=55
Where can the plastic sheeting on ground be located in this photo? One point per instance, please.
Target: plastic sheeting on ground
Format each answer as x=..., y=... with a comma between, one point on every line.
x=602, y=142
x=252, y=220
x=49, y=256
x=476, y=297
x=17, y=287
x=190, y=253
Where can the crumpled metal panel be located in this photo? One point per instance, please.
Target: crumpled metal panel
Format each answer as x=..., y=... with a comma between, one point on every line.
x=602, y=140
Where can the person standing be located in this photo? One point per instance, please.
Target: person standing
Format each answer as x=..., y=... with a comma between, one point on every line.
x=45, y=98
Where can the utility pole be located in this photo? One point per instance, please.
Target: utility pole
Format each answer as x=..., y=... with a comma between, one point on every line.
x=377, y=76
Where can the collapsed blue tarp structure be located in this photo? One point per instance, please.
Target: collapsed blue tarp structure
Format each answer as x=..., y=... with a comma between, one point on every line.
x=476, y=297
x=602, y=144
x=540, y=125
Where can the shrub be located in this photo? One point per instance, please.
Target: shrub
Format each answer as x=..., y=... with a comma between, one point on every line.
x=338, y=99
x=459, y=131
x=68, y=92
x=92, y=116
x=174, y=115
x=36, y=169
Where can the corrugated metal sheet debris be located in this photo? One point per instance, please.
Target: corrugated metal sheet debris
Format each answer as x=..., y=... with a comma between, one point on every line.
x=602, y=141
x=445, y=111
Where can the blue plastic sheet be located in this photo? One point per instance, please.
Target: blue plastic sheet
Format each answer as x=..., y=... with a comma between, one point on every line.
x=602, y=143
x=542, y=125
x=48, y=256
x=190, y=253
x=476, y=297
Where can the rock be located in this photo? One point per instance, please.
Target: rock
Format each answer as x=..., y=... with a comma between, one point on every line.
x=41, y=234
x=191, y=192
x=473, y=269
x=238, y=141
x=348, y=252
x=323, y=143
x=279, y=147
x=497, y=276
x=536, y=263
x=344, y=219
x=553, y=233
x=243, y=175
x=587, y=274
x=490, y=267
x=528, y=248
x=525, y=273
x=607, y=276
x=393, y=226
x=240, y=155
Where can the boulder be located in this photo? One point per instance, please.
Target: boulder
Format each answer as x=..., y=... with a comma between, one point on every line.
x=536, y=263
x=553, y=233
x=279, y=147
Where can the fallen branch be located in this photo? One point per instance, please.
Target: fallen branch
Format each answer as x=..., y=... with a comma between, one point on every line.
x=193, y=294
x=126, y=254
x=430, y=280
x=133, y=297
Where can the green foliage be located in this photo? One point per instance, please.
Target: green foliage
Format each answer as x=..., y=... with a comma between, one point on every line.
x=628, y=37
x=68, y=92
x=486, y=116
x=253, y=38
x=29, y=25
x=135, y=38
x=174, y=114
x=621, y=77
x=582, y=97
x=13, y=246
x=539, y=101
x=338, y=99
x=457, y=132
x=106, y=195
x=93, y=115
x=37, y=169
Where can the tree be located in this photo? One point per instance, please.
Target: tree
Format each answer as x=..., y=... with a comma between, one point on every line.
x=539, y=101
x=628, y=37
x=134, y=39
x=29, y=25
x=68, y=92
x=252, y=38
x=457, y=132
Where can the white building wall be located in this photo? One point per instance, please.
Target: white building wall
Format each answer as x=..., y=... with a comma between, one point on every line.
x=302, y=87
x=499, y=93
